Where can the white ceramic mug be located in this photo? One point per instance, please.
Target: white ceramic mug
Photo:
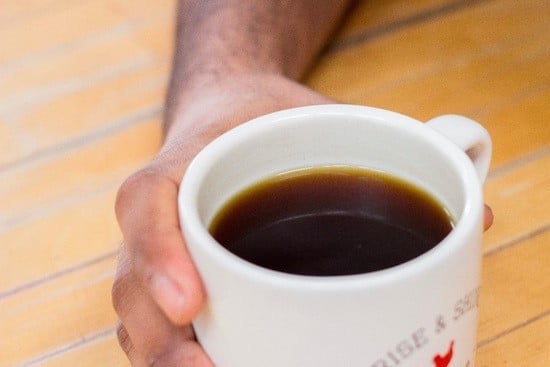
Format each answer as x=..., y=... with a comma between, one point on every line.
x=422, y=313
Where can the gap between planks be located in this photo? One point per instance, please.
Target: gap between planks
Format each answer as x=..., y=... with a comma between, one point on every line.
x=85, y=340
x=399, y=24
x=512, y=329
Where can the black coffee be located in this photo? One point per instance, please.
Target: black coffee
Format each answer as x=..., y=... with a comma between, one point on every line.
x=331, y=221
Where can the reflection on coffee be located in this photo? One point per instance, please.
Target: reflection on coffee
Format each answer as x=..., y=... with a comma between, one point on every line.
x=328, y=221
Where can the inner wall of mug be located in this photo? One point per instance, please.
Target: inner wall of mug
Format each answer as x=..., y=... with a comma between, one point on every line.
x=265, y=148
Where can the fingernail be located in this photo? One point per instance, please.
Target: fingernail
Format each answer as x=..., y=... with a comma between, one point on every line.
x=168, y=295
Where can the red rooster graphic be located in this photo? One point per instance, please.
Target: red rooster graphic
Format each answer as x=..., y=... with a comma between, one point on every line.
x=443, y=361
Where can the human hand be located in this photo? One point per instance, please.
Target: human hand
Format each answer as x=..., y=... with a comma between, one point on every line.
x=157, y=290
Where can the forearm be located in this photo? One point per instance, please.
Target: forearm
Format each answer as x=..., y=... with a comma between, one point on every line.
x=221, y=39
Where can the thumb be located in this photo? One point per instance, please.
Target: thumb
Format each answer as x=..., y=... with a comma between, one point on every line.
x=146, y=209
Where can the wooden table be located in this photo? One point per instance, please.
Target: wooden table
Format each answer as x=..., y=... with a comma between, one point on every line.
x=81, y=92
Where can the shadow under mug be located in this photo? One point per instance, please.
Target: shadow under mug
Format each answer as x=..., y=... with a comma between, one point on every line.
x=420, y=313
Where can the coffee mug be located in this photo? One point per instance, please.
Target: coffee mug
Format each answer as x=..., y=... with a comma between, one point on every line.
x=420, y=313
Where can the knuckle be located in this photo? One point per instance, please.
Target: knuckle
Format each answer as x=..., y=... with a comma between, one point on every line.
x=120, y=292
x=187, y=354
x=129, y=189
x=124, y=339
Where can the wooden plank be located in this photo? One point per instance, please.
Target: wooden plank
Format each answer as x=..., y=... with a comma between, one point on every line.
x=43, y=30
x=76, y=115
x=17, y=11
x=92, y=125
x=57, y=241
x=520, y=126
x=528, y=346
x=48, y=222
x=418, y=50
x=11, y=143
x=105, y=352
x=57, y=285
x=372, y=16
x=33, y=83
x=517, y=197
x=66, y=99
x=75, y=309
x=69, y=174
x=466, y=83
x=486, y=89
x=158, y=37
x=142, y=9
x=36, y=30
x=509, y=71
x=506, y=92
x=515, y=286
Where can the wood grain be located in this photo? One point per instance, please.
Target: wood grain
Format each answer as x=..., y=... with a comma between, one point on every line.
x=57, y=314
x=103, y=351
x=515, y=286
x=519, y=198
x=87, y=166
x=525, y=346
x=82, y=85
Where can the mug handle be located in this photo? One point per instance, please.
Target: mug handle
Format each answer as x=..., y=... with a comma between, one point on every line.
x=469, y=136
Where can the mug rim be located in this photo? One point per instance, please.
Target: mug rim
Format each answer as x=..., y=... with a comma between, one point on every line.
x=200, y=165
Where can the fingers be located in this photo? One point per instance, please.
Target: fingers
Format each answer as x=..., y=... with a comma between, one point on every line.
x=187, y=353
x=124, y=340
x=487, y=218
x=145, y=334
x=146, y=209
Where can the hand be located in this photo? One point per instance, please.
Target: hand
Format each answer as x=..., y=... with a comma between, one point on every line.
x=157, y=290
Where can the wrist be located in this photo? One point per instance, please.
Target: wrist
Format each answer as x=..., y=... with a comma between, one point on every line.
x=234, y=96
x=200, y=113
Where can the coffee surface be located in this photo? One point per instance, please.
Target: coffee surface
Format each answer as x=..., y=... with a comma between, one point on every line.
x=327, y=221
